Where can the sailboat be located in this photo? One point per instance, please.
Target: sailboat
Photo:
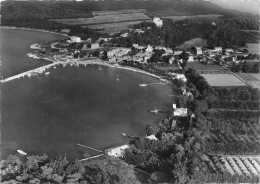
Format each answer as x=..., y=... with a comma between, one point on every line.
x=117, y=78
x=155, y=110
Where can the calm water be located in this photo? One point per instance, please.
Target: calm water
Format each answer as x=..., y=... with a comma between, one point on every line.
x=50, y=114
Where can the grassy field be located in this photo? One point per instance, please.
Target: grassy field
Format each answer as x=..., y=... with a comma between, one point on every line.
x=114, y=12
x=104, y=19
x=113, y=28
x=176, y=18
x=223, y=80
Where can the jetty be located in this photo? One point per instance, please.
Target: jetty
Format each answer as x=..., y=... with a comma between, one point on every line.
x=31, y=73
x=157, y=83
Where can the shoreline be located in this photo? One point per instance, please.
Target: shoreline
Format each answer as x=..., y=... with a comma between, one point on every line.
x=31, y=29
x=97, y=63
x=100, y=63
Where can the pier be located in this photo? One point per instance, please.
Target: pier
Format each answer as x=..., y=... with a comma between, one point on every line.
x=158, y=83
x=32, y=72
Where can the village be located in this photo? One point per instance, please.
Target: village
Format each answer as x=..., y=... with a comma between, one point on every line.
x=161, y=61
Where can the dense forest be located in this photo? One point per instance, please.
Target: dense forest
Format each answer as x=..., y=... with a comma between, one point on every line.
x=225, y=32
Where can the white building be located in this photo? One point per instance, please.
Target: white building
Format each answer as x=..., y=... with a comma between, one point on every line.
x=180, y=112
x=149, y=48
x=158, y=22
x=229, y=50
x=118, y=52
x=218, y=49
x=191, y=58
x=142, y=57
x=177, y=52
x=151, y=137
x=199, y=50
x=124, y=35
x=94, y=45
x=178, y=76
x=118, y=151
x=139, y=47
x=75, y=39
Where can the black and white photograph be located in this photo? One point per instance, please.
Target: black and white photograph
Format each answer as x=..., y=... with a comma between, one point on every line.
x=129, y=92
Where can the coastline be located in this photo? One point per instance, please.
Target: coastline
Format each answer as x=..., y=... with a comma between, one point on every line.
x=96, y=63
x=30, y=29
x=100, y=63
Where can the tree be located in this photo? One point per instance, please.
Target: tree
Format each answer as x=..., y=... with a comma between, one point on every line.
x=245, y=51
x=109, y=170
x=96, y=53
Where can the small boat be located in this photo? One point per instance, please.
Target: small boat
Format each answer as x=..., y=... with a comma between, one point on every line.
x=117, y=78
x=142, y=85
x=21, y=152
x=99, y=68
x=47, y=73
x=155, y=110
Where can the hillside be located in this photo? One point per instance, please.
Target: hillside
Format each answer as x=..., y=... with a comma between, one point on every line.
x=71, y=9
x=225, y=32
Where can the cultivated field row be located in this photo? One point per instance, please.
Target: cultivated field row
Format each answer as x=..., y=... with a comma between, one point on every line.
x=248, y=166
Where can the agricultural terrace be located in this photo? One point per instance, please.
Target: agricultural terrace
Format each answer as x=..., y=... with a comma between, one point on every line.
x=235, y=168
x=176, y=18
x=114, y=12
x=112, y=28
x=104, y=19
x=223, y=80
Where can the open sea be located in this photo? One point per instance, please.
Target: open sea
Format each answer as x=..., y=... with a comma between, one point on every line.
x=85, y=105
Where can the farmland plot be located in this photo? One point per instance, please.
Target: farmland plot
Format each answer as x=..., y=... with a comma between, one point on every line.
x=113, y=28
x=252, y=78
x=104, y=19
x=125, y=11
x=176, y=18
x=223, y=80
x=240, y=168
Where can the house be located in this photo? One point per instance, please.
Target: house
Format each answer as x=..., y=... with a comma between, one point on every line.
x=138, y=47
x=158, y=22
x=94, y=45
x=218, y=49
x=124, y=35
x=142, y=57
x=191, y=58
x=198, y=50
x=118, y=52
x=151, y=137
x=177, y=52
x=182, y=112
x=178, y=76
x=75, y=39
x=138, y=31
x=117, y=151
x=229, y=50
x=149, y=48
